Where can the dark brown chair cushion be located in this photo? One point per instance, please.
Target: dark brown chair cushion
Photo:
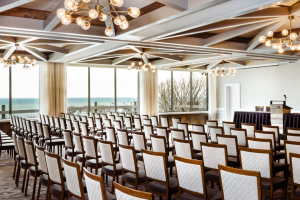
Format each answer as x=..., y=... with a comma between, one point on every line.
x=108, y=169
x=277, y=183
x=213, y=174
x=161, y=187
x=211, y=195
x=93, y=162
x=131, y=176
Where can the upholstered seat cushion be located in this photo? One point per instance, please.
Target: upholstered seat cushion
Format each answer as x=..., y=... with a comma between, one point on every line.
x=211, y=195
x=277, y=183
x=56, y=189
x=171, y=161
x=213, y=174
x=69, y=152
x=198, y=156
x=79, y=157
x=297, y=192
x=280, y=154
x=161, y=187
x=108, y=169
x=93, y=162
x=279, y=166
x=44, y=179
x=139, y=156
x=56, y=141
x=149, y=144
x=32, y=170
x=131, y=177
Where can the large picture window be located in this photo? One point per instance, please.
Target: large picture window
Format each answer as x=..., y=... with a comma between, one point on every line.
x=4, y=93
x=182, y=91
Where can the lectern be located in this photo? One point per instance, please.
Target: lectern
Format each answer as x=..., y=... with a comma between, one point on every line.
x=278, y=109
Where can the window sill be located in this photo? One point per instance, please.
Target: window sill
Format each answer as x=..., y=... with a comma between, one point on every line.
x=183, y=113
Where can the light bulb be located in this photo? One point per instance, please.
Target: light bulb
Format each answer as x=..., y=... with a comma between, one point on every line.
x=33, y=66
x=133, y=64
x=102, y=17
x=293, y=36
x=153, y=66
x=86, y=25
x=129, y=68
x=86, y=1
x=26, y=58
x=79, y=21
x=279, y=45
x=298, y=47
x=153, y=70
x=281, y=50
x=61, y=12
x=285, y=32
x=75, y=6
x=274, y=45
x=140, y=63
x=1, y=59
x=124, y=25
x=69, y=4
x=117, y=20
x=268, y=43
x=66, y=20
x=270, y=33
x=21, y=60
x=13, y=57
x=288, y=44
x=93, y=14
x=293, y=47
x=118, y=3
x=108, y=31
x=134, y=12
x=262, y=39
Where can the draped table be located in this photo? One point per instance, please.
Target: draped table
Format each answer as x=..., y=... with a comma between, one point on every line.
x=257, y=118
x=291, y=120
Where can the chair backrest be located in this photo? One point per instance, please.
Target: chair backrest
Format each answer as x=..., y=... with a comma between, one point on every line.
x=227, y=126
x=54, y=169
x=136, y=116
x=24, y=125
x=117, y=124
x=148, y=131
x=41, y=158
x=124, y=193
x=165, y=121
x=178, y=134
x=76, y=126
x=214, y=131
x=123, y=136
x=68, y=137
x=156, y=166
x=274, y=129
x=78, y=118
x=268, y=108
x=292, y=130
x=84, y=119
x=291, y=147
x=211, y=123
x=197, y=138
x=137, y=123
x=51, y=121
x=72, y=117
x=73, y=179
x=175, y=120
x=90, y=147
x=147, y=122
x=33, y=127
x=198, y=128
x=46, y=130
x=103, y=116
x=47, y=121
x=107, y=122
x=111, y=135
x=21, y=123
x=40, y=129
x=43, y=119
x=213, y=155
x=99, y=124
x=154, y=120
x=144, y=117
x=295, y=168
x=257, y=160
x=14, y=138
x=69, y=125
x=97, y=115
x=250, y=129
x=108, y=113
x=128, y=122
x=62, y=123
x=107, y=152
x=111, y=117
x=28, y=126
x=67, y=116
x=241, y=136
x=259, y=108
x=239, y=183
x=231, y=142
x=266, y=135
x=95, y=186
x=30, y=152
x=91, y=122
x=78, y=143
x=84, y=128
x=56, y=121
x=158, y=143
x=293, y=137
x=128, y=158
x=191, y=180
x=139, y=140
x=163, y=131
x=184, y=148
x=260, y=143
x=21, y=147
x=184, y=126
x=120, y=118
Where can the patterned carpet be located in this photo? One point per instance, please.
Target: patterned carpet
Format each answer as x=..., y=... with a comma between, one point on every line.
x=8, y=190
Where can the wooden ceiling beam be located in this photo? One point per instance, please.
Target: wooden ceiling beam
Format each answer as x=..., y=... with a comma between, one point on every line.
x=52, y=20
x=35, y=52
x=9, y=4
x=268, y=12
x=50, y=48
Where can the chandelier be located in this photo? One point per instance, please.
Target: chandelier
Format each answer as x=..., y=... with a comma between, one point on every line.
x=142, y=65
x=289, y=39
x=223, y=71
x=85, y=14
x=27, y=63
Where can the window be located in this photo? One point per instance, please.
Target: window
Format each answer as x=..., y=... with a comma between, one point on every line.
x=4, y=93
x=127, y=91
x=102, y=90
x=164, y=91
x=182, y=91
x=77, y=90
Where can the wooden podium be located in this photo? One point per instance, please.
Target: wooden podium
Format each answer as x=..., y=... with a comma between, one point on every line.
x=278, y=109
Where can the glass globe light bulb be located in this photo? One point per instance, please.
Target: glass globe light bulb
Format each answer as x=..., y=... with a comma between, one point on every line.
x=93, y=14
x=66, y=20
x=86, y=1
x=21, y=60
x=140, y=63
x=293, y=36
x=124, y=25
x=134, y=12
x=85, y=25
x=293, y=47
x=279, y=45
x=117, y=20
x=288, y=44
x=75, y=6
x=129, y=67
x=281, y=50
x=270, y=33
x=26, y=58
x=1, y=59
x=133, y=64
x=102, y=17
x=69, y=4
x=79, y=21
x=13, y=57
x=108, y=31
x=118, y=3
x=285, y=32
x=262, y=39
x=61, y=12
x=274, y=45
x=268, y=43
x=298, y=47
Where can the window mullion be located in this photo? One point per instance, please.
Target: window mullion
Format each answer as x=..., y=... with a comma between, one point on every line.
x=191, y=89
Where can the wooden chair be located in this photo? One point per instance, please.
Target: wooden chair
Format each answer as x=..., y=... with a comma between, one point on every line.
x=138, y=124
x=148, y=129
x=184, y=126
x=239, y=184
x=69, y=145
x=214, y=131
x=164, y=121
x=274, y=129
x=295, y=164
x=85, y=128
x=241, y=135
x=92, y=156
x=139, y=143
x=292, y=130
x=79, y=149
x=147, y=122
x=99, y=127
x=175, y=120
x=268, y=109
x=250, y=129
x=197, y=138
x=51, y=142
x=124, y=193
x=211, y=123
x=291, y=147
x=154, y=121
x=184, y=148
x=178, y=134
x=198, y=128
x=292, y=137
x=259, y=108
x=227, y=126
x=40, y=152
x=123, y=137
x=128, y=124
x=232, y=149
x=22, y=162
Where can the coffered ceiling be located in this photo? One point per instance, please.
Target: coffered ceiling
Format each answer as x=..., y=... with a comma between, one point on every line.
x=187, y=34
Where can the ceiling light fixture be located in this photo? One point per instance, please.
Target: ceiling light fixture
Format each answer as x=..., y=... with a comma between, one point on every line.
x=28, y=63
x=142, y=65
x=88, y=14
x=288, y=40
x=223, y=71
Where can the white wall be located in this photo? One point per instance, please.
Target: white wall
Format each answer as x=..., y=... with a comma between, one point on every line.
x=260, y=85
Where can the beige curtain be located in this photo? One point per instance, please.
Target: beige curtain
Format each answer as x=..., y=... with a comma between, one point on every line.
x=212, y=97
x=148, y=93
x=53, y=88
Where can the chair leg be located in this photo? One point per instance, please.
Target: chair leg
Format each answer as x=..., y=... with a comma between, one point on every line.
x=26, y=187
x=34, y=186
x=18, y=174
x=15, y=169
x=39, y=189
x=25, y=170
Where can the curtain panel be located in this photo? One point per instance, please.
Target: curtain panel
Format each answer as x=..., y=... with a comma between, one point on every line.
x=148, y=93
x=53, y=88
x=212, y=97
